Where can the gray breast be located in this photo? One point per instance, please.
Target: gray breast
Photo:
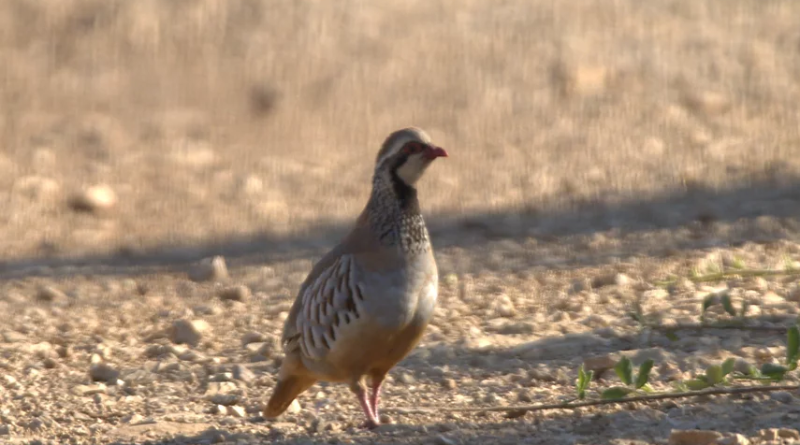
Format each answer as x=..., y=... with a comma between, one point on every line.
x=394, y=297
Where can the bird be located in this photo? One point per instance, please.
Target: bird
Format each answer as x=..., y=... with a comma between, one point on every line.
x=365, y=305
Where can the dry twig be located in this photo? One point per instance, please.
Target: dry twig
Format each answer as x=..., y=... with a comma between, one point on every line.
x=731, y=273
x=525, y=408
x=709, y=326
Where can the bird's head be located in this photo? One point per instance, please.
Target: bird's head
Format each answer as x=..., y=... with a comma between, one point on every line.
x=406, y=154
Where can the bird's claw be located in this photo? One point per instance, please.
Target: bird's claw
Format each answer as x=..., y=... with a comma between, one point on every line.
x=370, y=424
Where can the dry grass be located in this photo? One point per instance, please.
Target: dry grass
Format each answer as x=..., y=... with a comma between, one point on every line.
x=543, y=104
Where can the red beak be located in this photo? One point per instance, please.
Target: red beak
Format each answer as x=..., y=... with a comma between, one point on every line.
x=432, y=153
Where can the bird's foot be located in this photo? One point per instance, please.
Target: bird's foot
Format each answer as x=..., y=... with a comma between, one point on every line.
x=370, y=424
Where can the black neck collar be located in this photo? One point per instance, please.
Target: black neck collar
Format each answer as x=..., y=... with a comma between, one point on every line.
x=406, y=194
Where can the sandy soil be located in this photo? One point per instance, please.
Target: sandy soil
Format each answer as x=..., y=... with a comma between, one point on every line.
x=596, y=148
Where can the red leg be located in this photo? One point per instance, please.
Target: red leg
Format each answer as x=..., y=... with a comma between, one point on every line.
x=377, y=383
x=360, y=391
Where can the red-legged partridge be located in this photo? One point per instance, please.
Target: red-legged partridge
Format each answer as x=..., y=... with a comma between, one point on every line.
x=365, y=305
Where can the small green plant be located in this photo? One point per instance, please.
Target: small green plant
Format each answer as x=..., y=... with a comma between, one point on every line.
x=708, y=301
x=776, y=372
x=638, y=315
x=638, y=312
x=624, y=370
x=713, y=268
x=714, y=375
x=728, y=366
x=583, y=382
x=728, y=305
x=721, y=374
x=793, y=347
x=737, y=263
x=716, y=380
x=724, y=299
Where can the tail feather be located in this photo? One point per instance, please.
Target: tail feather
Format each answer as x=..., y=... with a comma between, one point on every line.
x=285, y=392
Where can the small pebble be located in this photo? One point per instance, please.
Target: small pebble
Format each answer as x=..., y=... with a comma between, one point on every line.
x=42, y=350
x=693, y=437
x=89, y=390
x=386, y=419
x=103, y=372
x=600, y=363
x=252, y=337
x=503, y=307
x=443, y=440
x=621, y=279
x=14, y=337
x=782, y=396
x=449, y=383
x=763, y=353
x=407, y=379
x=133, y=419
x=94, y=199
x=64, y=351
x=243, y=374
x=734, y=439
x=294, y=407
x=50, y=294
x=669, y=372
x=743, y=366
x=618, y=279
x=189, y=332
x=269, y=348
x=789, y=433
x=10, y=381
x=235, y=293
x=209, y=269
x=770, y=435
x=492, y=398
x=236, y=411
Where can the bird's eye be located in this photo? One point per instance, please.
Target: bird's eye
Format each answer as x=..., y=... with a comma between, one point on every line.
x=412, y=147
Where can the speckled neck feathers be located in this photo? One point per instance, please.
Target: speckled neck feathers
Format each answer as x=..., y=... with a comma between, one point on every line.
x=394, y=214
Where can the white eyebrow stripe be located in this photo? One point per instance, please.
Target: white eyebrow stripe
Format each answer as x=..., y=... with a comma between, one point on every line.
x=392, y=151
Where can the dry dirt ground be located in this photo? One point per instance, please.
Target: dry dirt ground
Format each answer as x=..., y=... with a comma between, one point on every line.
x=596, y=148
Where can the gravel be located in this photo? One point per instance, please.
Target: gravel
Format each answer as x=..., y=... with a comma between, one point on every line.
x=163, y=368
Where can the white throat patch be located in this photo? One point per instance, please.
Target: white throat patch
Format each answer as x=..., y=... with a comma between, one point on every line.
x=412, y=169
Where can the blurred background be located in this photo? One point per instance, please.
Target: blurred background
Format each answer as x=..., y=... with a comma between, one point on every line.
x=136, y=125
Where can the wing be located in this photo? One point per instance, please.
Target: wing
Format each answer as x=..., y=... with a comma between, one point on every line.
x=327, y=300
x=328, y=305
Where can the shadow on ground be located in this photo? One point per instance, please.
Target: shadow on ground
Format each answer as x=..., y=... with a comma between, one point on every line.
x=426, y=362
x=701, y=211
x=600, y=427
